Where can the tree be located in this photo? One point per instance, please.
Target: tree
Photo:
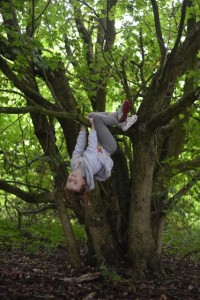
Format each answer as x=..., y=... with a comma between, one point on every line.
x=60, y=59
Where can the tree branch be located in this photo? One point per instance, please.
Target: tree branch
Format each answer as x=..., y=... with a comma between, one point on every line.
x=22, y=85
x=34, y=21
x=60, y=115
x=181, y=57
x=110, y=26
x=125, y=79
x=85, y=35
x=182, y=192
x=43, y=111
x=10, y=22
x=158, y=29
x=167, y=115
x=180, y=29
x=43, y=11
x=35, y=211
x=183, y=167
x=44, y=197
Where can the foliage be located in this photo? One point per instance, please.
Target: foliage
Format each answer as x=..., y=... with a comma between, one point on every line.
x=181, y=240
x=31, y=237
x=36, y=235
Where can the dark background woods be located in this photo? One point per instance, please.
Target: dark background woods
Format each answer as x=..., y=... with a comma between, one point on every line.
x=60, y=60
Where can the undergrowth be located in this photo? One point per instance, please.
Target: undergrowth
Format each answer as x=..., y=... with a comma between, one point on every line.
x=33, y=237
x=180, y=237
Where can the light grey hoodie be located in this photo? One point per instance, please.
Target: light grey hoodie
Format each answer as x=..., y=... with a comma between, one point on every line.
x=95, y=161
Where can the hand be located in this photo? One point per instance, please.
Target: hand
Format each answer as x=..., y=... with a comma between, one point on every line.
x=91, y=122
x=83, y=127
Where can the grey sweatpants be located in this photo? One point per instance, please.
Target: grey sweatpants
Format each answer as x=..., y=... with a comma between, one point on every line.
x=101, y=121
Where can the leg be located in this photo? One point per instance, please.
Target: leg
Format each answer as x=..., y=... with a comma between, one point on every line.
x=92, y=114
x=115, y=118
x=105, y=138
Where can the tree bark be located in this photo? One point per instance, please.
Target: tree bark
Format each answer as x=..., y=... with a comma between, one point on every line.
x=74, y=253
x=96, y=223
x=142, y=250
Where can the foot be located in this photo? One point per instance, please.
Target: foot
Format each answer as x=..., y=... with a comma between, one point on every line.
x=128, y=123
x=123, y=111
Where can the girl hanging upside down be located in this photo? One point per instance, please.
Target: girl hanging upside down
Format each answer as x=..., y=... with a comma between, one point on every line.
x=94, y=161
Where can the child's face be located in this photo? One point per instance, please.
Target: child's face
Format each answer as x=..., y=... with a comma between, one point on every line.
x=75, y=181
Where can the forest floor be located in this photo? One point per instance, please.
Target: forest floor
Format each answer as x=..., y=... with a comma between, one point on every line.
x=47, y=275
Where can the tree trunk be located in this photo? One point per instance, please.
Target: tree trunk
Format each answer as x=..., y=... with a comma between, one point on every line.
x=170, y=150
x=122, y=191
x=97, y=226
x=142, y=249
x=74, y=254
x=157, y=225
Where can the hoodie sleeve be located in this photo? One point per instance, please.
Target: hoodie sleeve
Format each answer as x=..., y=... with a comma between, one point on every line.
x=92, y=142
x=81, y=143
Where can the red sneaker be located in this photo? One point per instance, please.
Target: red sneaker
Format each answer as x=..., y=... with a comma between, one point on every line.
x=123, y=111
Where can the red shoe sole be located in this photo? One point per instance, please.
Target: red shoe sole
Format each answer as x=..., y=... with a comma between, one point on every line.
x=125, y=109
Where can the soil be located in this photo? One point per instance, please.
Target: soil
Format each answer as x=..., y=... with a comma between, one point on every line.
x=48, y=275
